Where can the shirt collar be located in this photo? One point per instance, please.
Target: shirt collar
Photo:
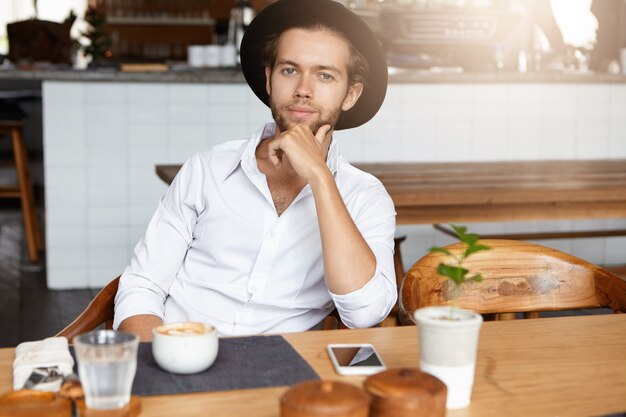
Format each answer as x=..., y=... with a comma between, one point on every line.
x=247, y=157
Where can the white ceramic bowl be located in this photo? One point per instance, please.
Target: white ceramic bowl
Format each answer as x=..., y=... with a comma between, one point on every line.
x=184, y=347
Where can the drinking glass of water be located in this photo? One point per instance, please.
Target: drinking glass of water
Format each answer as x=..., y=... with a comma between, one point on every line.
x=107, y=361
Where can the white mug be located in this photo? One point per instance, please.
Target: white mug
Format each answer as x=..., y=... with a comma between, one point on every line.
x=229, y=55
x=184, y=347
x=195, y=55
x=212, y=55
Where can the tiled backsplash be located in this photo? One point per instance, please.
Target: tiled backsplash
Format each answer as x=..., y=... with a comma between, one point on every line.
x=103, y=140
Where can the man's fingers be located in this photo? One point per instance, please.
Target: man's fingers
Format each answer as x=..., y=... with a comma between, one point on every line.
x=275, y=161
x=321, y=133
x=274, y=152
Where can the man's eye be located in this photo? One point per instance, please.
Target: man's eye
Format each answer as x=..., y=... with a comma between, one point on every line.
x=289, y=71
x=325, y=76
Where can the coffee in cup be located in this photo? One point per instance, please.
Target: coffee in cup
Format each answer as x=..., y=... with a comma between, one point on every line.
x=184, y=347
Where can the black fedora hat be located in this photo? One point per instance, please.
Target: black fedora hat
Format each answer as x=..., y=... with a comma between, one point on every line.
x=284, y=14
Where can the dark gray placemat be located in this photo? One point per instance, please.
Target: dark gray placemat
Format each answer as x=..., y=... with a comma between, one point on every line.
x=242, y=362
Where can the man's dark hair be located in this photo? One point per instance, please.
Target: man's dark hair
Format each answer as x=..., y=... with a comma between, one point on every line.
x=358, y=68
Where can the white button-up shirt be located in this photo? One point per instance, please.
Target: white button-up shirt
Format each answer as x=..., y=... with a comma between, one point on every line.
x=216, y=251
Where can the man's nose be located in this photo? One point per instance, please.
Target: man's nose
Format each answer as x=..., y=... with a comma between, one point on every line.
x=304, y=87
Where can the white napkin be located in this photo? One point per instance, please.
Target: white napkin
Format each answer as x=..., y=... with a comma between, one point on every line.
x=53, y=351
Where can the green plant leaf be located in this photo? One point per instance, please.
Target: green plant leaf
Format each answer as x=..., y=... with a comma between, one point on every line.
x=477, y=278
x=470, y=239
x=455, y=273
x=475, y=248
x=437, y=249
x=459, y=230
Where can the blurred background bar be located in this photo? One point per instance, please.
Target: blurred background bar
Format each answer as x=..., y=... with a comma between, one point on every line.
x=112, y=88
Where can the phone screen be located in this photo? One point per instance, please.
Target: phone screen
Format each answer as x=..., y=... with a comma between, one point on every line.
x=356, y=356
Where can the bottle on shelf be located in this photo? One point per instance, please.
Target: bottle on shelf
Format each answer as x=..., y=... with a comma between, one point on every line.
x=498, y=57
x=240, y=18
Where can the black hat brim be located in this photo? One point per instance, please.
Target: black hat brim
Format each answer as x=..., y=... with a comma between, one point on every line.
x=285, y=14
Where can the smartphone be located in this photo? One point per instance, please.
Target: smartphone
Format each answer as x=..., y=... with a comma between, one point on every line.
x=355, y=359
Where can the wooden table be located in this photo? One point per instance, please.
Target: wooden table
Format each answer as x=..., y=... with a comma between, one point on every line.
x=570, y=366
x=430, y=193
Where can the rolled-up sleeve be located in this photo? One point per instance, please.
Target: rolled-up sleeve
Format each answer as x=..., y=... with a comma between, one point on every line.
x=370, y=304
x=157, y=257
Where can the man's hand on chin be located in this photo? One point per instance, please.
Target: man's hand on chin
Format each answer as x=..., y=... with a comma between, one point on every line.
x=306, y=152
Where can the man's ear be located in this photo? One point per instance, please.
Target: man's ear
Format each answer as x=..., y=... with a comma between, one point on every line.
x=268, y=84
x=354, y=92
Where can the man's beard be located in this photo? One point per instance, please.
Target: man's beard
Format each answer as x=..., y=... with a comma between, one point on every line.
x=325, y=117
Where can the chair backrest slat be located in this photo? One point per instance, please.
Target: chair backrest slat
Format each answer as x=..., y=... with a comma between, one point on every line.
x=100, y=310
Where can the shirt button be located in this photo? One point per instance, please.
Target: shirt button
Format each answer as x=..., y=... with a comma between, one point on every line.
x=272, y=233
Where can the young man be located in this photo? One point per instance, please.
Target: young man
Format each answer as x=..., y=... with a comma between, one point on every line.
x=270, y=234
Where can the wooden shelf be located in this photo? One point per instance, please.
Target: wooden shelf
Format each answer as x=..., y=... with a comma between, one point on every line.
x=150, y=21
x=157, y=31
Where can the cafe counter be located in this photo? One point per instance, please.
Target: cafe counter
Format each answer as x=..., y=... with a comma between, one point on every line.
x=226, y=75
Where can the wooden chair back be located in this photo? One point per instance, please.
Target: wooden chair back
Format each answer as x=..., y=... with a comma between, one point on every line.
x=517, y=277
x=99, y=311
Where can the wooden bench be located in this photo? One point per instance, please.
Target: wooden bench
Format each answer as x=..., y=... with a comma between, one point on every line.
x=433, y=193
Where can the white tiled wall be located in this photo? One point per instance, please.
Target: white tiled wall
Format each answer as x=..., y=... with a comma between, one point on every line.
x=102, y=141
